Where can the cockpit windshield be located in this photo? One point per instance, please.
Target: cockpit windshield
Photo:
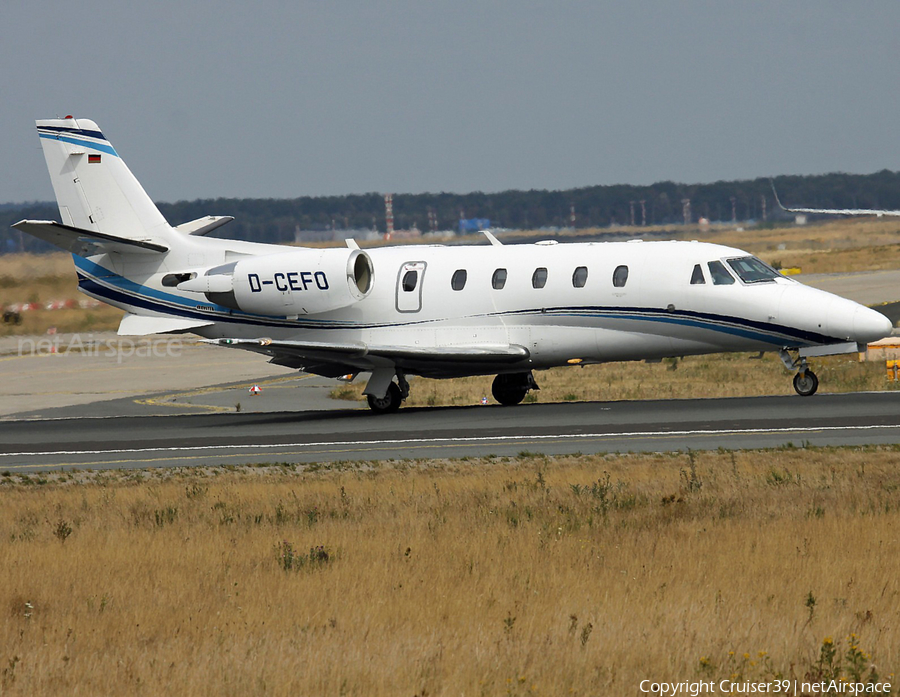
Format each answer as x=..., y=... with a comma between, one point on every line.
x=752, y=270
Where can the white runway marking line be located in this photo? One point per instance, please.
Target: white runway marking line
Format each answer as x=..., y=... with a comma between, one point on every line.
x=465, y=439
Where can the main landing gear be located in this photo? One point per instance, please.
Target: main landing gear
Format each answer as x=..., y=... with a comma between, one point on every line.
x=510, y=389
x=386, y=399
x=385, y=396
x=387, y=404
x=805, y=381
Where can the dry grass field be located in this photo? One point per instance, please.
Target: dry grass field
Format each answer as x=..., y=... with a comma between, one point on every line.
x=34, y=278
x=535, y=576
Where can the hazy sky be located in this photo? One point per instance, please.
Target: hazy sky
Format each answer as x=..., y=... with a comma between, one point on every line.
x=283, y=99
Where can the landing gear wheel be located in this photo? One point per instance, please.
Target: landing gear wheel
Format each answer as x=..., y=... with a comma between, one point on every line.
x=387, y=404
x=509, y=390
x=806, y=383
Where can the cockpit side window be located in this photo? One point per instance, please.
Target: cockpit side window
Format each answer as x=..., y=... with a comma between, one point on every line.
x=752, y=270
x=720, y=276
x=697, y=276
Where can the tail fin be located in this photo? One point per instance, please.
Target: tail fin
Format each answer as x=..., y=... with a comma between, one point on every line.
x=94, y=188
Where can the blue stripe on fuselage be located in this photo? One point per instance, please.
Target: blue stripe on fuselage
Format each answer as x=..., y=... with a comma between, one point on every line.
x=771, y=337
x=126, y=291
x=105, y=283
x=771, y=333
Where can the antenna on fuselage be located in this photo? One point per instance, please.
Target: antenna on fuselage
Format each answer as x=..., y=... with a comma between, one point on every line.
x=493, y=240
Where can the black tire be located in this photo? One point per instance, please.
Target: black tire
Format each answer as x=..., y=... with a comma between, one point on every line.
x=806, y=383
x=507, y=391
x=387, y=404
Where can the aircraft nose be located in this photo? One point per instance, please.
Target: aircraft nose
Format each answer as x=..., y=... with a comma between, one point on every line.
x=870, y=325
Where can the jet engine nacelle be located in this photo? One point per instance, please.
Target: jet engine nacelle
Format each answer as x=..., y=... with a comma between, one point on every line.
x=303, y=282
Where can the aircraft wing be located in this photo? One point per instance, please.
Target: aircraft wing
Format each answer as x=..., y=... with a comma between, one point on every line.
x=333, y=360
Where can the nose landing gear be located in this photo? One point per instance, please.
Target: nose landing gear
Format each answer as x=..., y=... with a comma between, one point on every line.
x=805, y=381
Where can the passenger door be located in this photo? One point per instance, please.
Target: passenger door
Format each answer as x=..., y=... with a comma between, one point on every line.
x=409, y=286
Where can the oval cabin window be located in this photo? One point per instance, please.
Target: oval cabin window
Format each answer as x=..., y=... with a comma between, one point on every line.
x=539, y=277
x=498, y=280
x=620, y=276
x=579, y=278
x=458, y=282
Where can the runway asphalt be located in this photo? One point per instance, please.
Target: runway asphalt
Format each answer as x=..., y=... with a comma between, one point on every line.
x=125, y=442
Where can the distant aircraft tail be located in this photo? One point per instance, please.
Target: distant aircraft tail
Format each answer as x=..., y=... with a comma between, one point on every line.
x=96, y=191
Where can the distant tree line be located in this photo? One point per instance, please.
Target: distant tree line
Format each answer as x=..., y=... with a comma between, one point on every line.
x=275, y=220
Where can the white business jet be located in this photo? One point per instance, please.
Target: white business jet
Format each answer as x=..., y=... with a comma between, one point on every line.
x=430, y=310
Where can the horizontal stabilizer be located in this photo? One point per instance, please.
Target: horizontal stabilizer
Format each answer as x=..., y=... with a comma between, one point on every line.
x=139, y=325
x=205, y=225
x=83, y=242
